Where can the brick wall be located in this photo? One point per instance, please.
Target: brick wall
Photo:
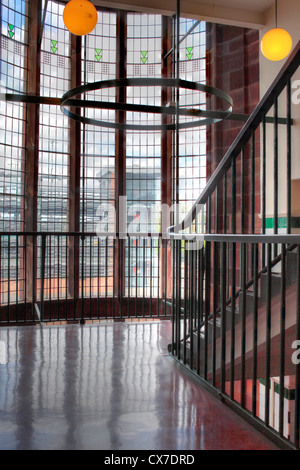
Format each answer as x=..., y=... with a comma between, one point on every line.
x=233, y=66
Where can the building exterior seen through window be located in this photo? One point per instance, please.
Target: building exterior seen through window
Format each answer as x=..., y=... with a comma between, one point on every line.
x=98, y=154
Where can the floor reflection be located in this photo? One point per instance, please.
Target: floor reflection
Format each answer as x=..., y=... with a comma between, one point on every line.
x=110, y=387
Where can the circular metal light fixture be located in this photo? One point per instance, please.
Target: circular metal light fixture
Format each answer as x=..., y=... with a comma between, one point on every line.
x=206, y=117
x=80, y=17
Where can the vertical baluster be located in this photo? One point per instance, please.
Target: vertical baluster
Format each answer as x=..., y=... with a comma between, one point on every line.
x=158, y=275
x=215, y=289
x=34, y=276
x=191, y=302
x=297, y=366
x=173, y=290
x=225, y=221
x=200, y=307
x=50, y=277
x=186, y=297
x=82, y=279
x=207, y=286
x=8, y=277
x=224, y=203
x=223, y=314
x=195, y=285
x=275, y=171
x=144, y=274
x=243, y=190
x=178, y=296
x=136, y=276
x=66, y=279
x=268, y=333
x=98, y=277
x=233, y=276
x=113, y=282
x=106, y=275
x=24, y=274
x=43, y=256
x=151, y=284
x=58, y=277
x=252, y=186
x=128, y=276
x=121, y=267
x=255, y=327
x=243, y=320
x=263, y=186
x=165, y=276
x=282, y=338
x=17, y=278
x=289, y=156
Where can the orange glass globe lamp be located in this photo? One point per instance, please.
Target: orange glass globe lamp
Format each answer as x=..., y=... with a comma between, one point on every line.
x=276, y=44
x=80, y=17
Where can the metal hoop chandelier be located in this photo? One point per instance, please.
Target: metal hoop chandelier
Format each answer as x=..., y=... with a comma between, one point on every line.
x=207, y=117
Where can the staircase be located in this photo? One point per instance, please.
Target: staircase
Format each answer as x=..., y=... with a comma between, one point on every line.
x=237, y=298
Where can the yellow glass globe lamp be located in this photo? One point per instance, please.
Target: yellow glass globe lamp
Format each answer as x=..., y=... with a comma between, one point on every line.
x=276, y=44
x=80, y=17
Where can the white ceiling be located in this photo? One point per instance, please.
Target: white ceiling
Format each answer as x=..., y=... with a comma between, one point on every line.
x=253, y=5
x=247, y=13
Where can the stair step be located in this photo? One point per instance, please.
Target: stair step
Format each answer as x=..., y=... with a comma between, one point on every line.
x=275, y=285
x=250, y=302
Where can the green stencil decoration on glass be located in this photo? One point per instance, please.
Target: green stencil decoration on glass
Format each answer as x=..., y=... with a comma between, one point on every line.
x=189, y=52
x=144, y=57
x=11, y=30
x=53, y=47
x=98, y=54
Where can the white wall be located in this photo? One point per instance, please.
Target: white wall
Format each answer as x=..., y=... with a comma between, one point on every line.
x=289, y=19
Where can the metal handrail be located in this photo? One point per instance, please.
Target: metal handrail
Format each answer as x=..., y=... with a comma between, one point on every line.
x=244, y=135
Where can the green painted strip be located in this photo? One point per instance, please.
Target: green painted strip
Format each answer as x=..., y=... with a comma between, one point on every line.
x=282, y=222
x=288, y=393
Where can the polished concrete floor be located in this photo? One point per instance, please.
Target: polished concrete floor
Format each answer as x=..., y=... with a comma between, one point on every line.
x=110, y=387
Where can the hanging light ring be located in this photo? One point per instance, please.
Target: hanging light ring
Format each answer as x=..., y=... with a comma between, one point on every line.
x=207, y=117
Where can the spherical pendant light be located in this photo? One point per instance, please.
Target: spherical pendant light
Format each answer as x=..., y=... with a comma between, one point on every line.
x=276, y=44
x=80, y=17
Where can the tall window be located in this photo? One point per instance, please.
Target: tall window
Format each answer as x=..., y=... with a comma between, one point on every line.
x=98, y=157
x=13, y=79
x=192, y=142
x=142, y=172
x=54, y=126
x=14, y=44
x=143, y=153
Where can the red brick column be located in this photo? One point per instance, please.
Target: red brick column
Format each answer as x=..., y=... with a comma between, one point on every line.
x=233, y=66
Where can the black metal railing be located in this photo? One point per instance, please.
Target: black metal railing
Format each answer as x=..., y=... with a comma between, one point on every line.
x=50, y=277
x=235, y=304
x=253, y=338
